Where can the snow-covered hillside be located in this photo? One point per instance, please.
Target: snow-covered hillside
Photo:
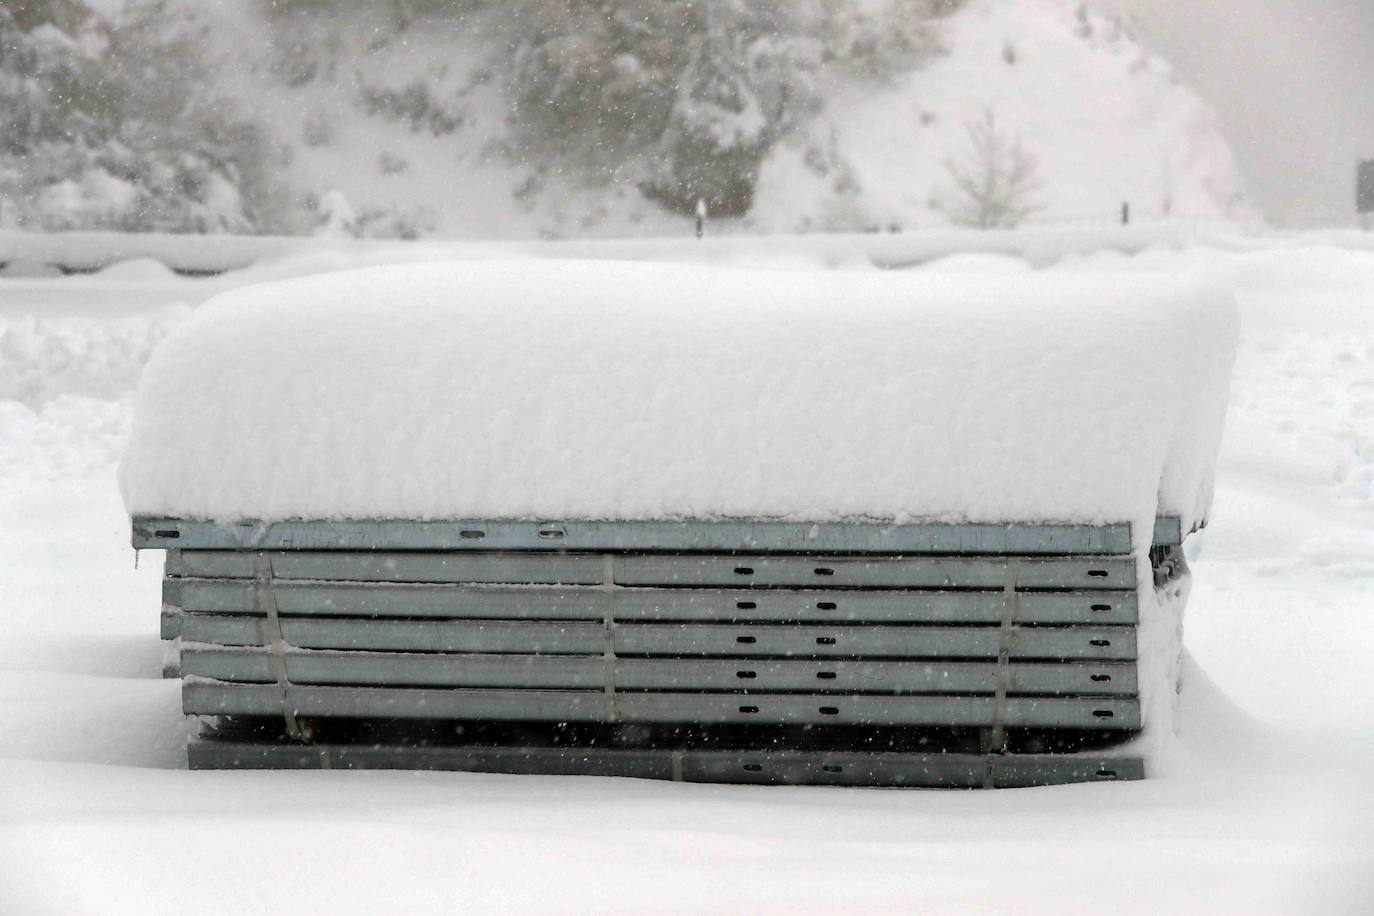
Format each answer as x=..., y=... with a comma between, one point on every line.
x=413, y=130
x=1104, y=120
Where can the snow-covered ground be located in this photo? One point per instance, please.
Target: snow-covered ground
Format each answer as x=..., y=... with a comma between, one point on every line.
x=1267, y=805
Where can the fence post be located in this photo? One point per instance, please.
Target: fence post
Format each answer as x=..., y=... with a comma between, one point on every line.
x=1364, y=192
x=701, y=217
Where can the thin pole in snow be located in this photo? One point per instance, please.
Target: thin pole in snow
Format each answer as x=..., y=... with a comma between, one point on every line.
x=1125, y=213
x=701, y=217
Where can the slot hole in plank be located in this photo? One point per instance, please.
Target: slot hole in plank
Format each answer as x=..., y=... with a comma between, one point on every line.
x=1100, y=643
x=825, y=640
x=824, y=571
x=830, y=710
x=826, y=675
x=551, y=533
x=1097, y=573
x=831, y=768
x=746, y=675
x=826, y=605
x=1102, y=607
x=472, y=534
x=754, y=767
x=170, y=534
x=744, y=570
x=1103, y=714
x=1106, y=774
x=748, y=709
x=746, y=605
x=746, y=640
x=1102, y=678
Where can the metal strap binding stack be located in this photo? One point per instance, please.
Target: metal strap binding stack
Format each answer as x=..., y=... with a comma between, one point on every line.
x=967, y=655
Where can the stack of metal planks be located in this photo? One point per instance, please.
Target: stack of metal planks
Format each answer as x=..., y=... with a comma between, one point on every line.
x=966, y=655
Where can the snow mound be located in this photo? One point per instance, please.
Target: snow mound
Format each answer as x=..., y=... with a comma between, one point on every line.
x=45, y=358
x=560, y=389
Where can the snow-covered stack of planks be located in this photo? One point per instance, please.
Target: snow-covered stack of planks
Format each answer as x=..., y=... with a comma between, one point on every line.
x=680, y=522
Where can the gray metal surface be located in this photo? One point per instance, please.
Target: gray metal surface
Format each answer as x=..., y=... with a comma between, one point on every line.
x=846, y=768
x=669, y=570
x=206, y=697
x=358, y=599
x=590, y=672
x=396, y=635
x=527, y=568
x=722, y=536
x=874, y=572
x=733, y=640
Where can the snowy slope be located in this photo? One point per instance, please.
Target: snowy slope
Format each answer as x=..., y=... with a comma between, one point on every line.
x=1262, y=808
x=1105, y=121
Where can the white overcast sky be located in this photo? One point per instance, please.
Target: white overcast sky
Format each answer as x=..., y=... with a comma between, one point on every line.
x=1292, y=82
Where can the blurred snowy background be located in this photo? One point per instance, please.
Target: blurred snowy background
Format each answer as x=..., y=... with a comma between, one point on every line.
x=560, y=118
x=555, y=118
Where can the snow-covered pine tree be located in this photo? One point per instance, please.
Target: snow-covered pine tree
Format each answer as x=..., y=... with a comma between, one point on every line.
x=995, y=182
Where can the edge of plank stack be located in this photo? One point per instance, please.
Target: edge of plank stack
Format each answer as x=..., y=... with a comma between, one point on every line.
x=931, y=654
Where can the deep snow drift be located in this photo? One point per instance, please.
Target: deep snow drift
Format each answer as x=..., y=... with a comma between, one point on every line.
x=595, y=390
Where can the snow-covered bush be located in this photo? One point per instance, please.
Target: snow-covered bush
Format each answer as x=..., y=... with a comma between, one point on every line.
x=688, y=99
x=880, y=40
x=118, y=128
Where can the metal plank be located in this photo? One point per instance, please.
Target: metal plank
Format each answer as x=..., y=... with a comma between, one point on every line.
x=762, y=640
x=169, y=622
x=792, y=767
x=666, y=569
x=874, y=572
x=204, y=697
x=545, y=569
x=686, y=535
x=962, y=771
x=355, y=599
x=542, y=671
x=1168, y=531
x=1103, y=643
x=395, y=635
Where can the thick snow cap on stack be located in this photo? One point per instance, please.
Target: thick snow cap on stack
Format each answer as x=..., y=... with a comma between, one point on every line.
x=608, y=390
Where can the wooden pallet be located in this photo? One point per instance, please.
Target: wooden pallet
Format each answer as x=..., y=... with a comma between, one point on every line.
x=1016, y=633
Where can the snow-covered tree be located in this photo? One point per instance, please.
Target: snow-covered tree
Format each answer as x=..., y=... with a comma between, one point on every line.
x=122, y=129
x=994, y=182
x=683, y=98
